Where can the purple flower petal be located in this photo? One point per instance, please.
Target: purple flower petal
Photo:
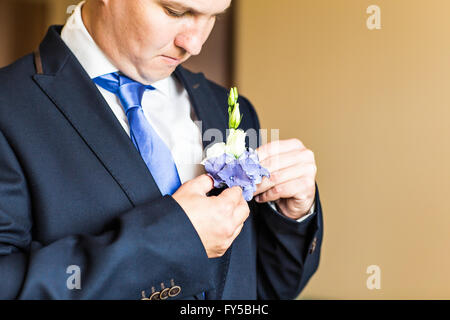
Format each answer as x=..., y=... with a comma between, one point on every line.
x=245, y=172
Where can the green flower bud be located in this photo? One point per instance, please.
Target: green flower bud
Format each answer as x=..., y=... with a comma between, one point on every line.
x=235, y=117
x=233, y=97
x=230, y=99
x=234, y=114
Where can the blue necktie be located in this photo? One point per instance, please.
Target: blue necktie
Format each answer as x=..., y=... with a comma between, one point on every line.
x=152, y=148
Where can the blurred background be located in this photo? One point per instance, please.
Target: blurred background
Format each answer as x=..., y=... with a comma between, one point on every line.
x=374, y=106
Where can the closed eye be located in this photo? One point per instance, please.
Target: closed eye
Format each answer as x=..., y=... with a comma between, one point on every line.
x=174, y=13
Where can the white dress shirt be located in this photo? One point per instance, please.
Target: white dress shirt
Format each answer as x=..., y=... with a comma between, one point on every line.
x=168, y=108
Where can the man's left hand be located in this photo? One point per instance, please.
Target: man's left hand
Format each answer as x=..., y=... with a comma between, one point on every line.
x=292, y=182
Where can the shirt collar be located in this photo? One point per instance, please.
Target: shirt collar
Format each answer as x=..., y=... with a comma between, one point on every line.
x=90, y=56
x=163, y=85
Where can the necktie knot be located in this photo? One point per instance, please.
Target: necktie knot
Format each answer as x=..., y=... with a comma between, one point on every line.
x=130, y=92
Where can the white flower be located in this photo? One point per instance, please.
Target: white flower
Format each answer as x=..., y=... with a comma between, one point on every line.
x=236, y=143
x=215, y=151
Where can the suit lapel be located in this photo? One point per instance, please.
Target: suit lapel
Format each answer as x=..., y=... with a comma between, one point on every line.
x=72, y=91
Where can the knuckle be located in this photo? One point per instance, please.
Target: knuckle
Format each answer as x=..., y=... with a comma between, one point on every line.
x=277, y=190
x=266, y=181
x=239, y=229
x=245, y=212
x=229, y=243
x=312, y=169
x=226, y=207
x=269, y=164
x=235, y=192
x=313, y=156
x=247, y=208
x=298, y=143
x=223, y=248
x=220, y=252
x=309, y=154
x=303, y=197
x=227, y=230
x=226, y=244
x=274, y=178
x=263, y=197
x=299, y=153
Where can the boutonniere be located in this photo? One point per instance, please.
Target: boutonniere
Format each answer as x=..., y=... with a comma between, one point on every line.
x=232, y=163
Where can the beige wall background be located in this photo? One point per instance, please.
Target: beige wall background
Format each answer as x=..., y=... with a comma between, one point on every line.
x=374, y=107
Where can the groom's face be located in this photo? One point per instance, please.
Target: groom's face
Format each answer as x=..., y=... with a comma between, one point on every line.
x=155, y=36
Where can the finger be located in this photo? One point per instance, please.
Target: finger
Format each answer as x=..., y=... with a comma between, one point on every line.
x=265, y=185
x=241, y=213
x=232, y=195
x=292, y=173
x=236, y=232
x=276, y=147
x=283, y=161
x=288, y=159
x=284, y=175
x=202, y=184
x=301, y=188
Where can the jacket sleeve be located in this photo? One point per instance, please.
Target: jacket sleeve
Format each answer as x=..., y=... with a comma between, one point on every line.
x=142, y=249
x=288, y=251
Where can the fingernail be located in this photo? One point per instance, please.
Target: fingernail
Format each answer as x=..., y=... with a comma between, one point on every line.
x=257, y=199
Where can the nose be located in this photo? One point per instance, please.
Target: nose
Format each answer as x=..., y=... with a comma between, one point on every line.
x=192, y=37
x=190, y=41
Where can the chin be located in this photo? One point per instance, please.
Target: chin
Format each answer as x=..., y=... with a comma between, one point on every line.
x=157, y=73
x=165, y=71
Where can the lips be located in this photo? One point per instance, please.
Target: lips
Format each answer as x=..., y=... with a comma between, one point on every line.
x=172, y=58
x=170, y=61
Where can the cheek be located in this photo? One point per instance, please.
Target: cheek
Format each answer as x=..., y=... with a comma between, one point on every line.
x=152, y=31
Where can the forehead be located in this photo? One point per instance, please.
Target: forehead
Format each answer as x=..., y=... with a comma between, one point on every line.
x=199, y=6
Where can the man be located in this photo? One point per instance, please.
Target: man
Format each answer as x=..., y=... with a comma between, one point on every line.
x=84, y=211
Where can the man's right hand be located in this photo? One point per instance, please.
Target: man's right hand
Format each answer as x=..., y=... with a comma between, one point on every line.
x=217, y=220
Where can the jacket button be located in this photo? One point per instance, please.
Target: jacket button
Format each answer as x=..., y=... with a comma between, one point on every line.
x=313, y=246
x=143, y=296
x=155, y=296
x=174, y=291
x=164, y=294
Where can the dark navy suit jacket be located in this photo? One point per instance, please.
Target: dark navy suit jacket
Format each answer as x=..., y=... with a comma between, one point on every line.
x=75, y=191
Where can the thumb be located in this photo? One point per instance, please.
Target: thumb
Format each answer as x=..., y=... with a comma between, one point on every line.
x=202, y=184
